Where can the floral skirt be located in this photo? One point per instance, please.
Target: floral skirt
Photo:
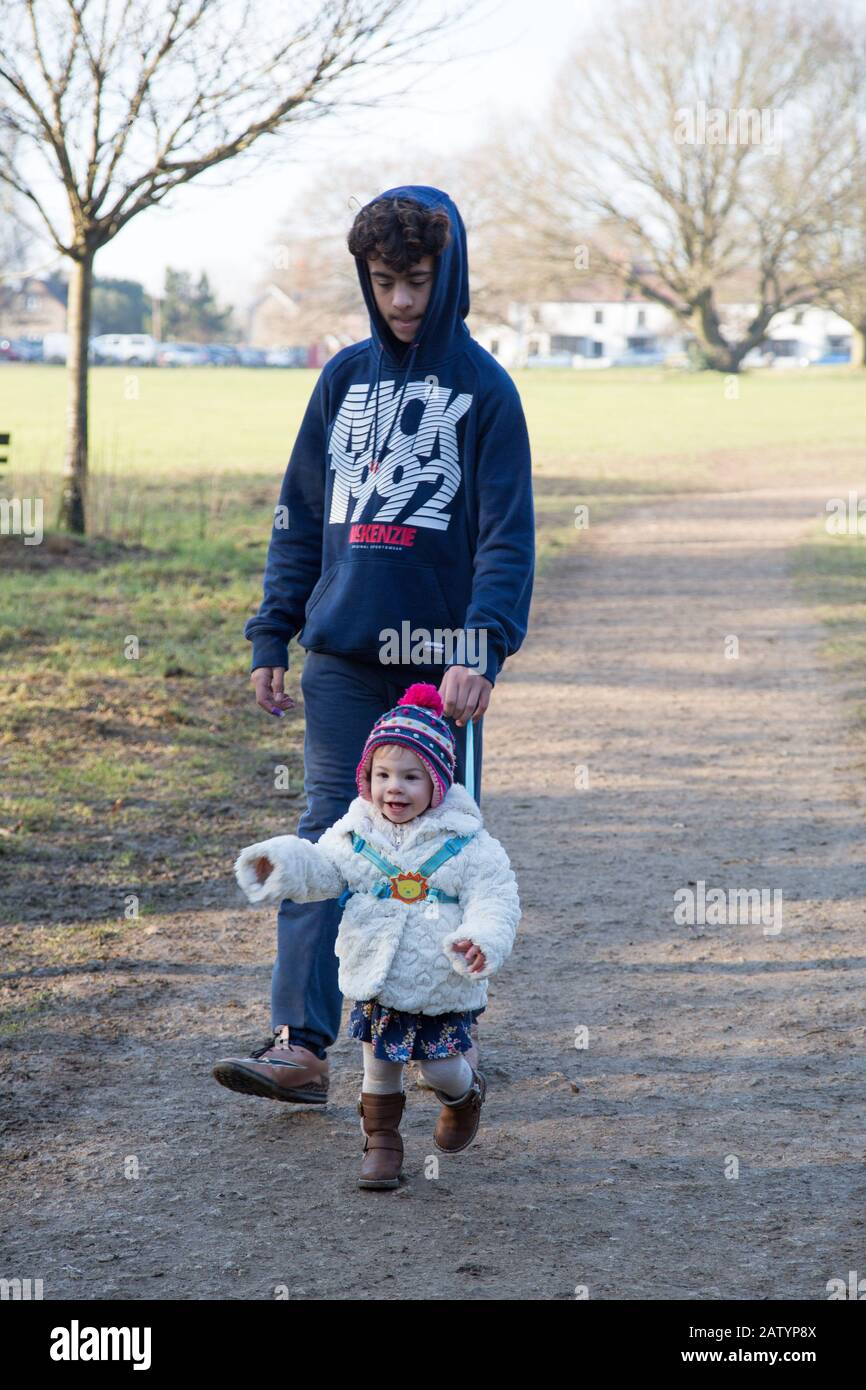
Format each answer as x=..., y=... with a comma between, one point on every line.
x=399, y=1037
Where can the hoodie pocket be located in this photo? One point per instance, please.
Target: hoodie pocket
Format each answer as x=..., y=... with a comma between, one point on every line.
x=319, y=588
x=358, y=604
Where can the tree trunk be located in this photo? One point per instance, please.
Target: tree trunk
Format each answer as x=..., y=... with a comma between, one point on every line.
x=858, y=344
x=716, y=352
x=71, y=515
x=705, y=325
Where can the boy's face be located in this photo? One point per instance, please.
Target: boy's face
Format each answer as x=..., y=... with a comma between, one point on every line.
x=402, y=299
x=400, y=785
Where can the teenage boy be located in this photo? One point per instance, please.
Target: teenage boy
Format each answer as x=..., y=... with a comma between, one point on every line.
x=405, y=521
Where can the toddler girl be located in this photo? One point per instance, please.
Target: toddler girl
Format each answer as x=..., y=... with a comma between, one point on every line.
x=431, y=911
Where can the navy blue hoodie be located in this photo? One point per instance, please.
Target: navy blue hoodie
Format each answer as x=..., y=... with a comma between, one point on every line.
x=441, y=533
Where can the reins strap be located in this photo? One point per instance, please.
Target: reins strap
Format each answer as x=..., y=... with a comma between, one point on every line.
x=446, y=851
x=361, y=847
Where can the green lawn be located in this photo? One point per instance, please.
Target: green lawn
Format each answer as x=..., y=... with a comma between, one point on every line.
x=142, y=775
x=216, y=441
x=640, y=426
x=831, y=572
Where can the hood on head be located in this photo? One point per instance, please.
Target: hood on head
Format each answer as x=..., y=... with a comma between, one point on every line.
x=448, y=305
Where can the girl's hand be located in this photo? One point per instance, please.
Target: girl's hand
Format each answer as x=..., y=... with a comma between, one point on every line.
x=263, y=868
x=475, y=957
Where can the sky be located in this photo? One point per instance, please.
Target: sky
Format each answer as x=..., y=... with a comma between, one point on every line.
x=223, y=221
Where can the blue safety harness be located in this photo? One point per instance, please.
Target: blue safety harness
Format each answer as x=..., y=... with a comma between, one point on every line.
x=408, y=887
x=413, y=887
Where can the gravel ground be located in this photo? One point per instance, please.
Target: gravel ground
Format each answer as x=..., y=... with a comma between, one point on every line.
x=707, y=1142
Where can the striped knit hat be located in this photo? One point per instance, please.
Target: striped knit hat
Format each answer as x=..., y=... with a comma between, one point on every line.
x=416, y=722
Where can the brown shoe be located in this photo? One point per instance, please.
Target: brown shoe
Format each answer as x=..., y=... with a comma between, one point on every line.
x=279, y=1070
x=383, y=1147
x=471, y=1056
x=458, y=1119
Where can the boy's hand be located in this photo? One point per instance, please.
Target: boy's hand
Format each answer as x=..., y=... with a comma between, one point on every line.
x=475, y=957
x=263, y=868
x=464, y=694
x=268, y=684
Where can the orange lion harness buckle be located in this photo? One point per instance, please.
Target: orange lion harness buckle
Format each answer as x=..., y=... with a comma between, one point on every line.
x=408, y=887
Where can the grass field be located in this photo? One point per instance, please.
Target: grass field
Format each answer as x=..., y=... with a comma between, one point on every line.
x=141, y=776
x=831, y=572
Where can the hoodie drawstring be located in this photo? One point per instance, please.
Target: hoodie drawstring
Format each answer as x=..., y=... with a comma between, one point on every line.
x=374, y=460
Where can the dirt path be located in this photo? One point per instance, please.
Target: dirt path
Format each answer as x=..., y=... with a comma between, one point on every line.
x=601, y=1166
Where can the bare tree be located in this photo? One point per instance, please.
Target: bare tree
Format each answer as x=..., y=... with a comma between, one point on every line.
x=14, y=242
x=845, y=268
x=311, y=261
x=309, y=256
x=19, y=244
x=694, y=150
x=520, y=241
x=838, y=256
x=128, y=99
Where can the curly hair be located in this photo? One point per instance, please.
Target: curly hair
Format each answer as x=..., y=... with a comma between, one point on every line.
x=399, y=231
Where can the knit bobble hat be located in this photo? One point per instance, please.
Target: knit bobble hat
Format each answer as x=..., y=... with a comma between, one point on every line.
x=416, y=722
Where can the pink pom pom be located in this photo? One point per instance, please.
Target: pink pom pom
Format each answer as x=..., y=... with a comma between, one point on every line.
x=422, y=694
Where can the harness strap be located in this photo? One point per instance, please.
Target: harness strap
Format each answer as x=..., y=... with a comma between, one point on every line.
x=445, y=852
x=362, y=847
x=469, y=774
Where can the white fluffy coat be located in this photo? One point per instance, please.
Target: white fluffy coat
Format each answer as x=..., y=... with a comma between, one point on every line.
x=401, y=954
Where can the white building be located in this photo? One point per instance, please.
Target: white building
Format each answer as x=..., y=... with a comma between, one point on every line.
x=805, y=333
x=603, y=331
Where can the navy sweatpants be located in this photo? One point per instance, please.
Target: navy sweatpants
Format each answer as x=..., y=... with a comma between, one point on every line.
x=342, y=701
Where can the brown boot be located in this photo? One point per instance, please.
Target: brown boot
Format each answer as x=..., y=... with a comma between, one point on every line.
x=383, y=1147
x=458, y=1119
x=280, y=1070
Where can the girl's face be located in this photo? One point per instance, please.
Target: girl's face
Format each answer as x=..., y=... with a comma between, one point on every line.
x=400, y=785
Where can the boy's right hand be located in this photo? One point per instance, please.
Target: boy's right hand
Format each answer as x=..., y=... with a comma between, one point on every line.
x=268, y=684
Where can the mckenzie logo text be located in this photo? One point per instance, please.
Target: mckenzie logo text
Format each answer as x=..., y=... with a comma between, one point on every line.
x=378, y=532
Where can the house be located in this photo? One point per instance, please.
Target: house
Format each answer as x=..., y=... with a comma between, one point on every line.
x=270, y=318
x=807, y=332
x=30, y=308
x=276, y=319
x=600, y=324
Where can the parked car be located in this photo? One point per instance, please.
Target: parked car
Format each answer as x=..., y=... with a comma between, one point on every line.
x=181, y=355
x=252, y=357
x=632, y=357
x=286, y=357
x=28, y=349
x=785, y=361
x=832, y=359
x=54, y=347
x=757, y=357
x=7, y=351
x=222, y=355
x=126, y=349
x=589, y=363
x=550, y=359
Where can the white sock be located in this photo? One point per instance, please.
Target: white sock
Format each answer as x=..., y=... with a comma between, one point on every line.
x=381, y=1078
x=453, y=1075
